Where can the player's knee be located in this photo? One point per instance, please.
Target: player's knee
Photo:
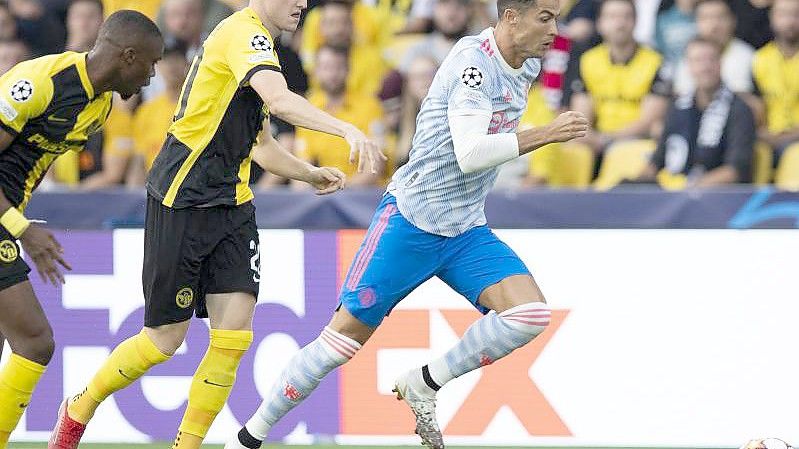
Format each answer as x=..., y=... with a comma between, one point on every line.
x=37, y=346
x=528, y=320
x=168, y=338
x=345, y=324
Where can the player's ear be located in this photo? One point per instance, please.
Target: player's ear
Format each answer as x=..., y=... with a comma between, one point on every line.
x=129, y=55
x=511, y=16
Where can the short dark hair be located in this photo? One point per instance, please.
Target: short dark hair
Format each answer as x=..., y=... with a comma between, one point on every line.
x=129, y=26
x=97, y=3
x=502, y=5
x=698, y=40
x=629, y=2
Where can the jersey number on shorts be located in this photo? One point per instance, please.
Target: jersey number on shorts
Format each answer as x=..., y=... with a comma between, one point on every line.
x=255, y=261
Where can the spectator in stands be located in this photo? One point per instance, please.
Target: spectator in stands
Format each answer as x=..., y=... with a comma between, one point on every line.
x=715, y=21
x=367, y=67
x=619, y=86
x=183, y=23
x=451, y=20
x=709, y=137
x=367, y=29
x=753, y=21
x=580, y=22
x=776, y=73
x=42, y=30
x=418, y=79
x=84, y=18
x=673, y=29
x=334, y=97
x=147, y=7
x=12, y=52
x=152, y=119
x=8, y=23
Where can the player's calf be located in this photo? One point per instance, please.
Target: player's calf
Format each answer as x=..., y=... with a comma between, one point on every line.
x=486, y=341
x=489, y=339
x=300, y=377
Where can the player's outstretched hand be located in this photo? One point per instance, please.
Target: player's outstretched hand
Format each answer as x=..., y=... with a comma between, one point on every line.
x=46, y=253
x=327, y=180
x=365, y=149
x=567, y=126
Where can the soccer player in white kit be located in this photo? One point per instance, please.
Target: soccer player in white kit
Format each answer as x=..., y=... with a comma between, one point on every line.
x=431, y=223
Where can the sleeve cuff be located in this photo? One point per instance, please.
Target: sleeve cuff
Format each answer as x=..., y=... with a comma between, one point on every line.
x=257, y=69
x=9, y=129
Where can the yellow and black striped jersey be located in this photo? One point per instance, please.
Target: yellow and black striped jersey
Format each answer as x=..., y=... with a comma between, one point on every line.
x=205, y=160
x=49, y=105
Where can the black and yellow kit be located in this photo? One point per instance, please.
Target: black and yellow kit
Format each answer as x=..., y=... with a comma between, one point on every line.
x=50, y=107
x=202, y=173
x=617, y=90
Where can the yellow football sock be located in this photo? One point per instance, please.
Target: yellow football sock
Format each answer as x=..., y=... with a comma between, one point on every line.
x=211, y=385
x=18, y=378
x=129, y=361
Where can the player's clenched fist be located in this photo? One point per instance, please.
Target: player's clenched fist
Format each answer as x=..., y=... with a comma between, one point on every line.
x=46, y=253
x=327, y=180
x=365, y=149
x=567, y=126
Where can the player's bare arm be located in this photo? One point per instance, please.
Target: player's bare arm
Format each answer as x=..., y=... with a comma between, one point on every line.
x=272, y=157
x=271, y=87
x=38, y=242
x=567, y=126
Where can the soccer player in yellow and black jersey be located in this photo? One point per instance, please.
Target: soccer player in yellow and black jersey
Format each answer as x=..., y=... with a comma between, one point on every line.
x=49, y=106
x=201, y=242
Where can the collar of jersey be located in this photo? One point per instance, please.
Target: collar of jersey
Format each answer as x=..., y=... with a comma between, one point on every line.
x=251, y=12
x=84, y=75
x=497, y=54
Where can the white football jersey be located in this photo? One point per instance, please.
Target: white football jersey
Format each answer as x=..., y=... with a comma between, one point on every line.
x=431, y=190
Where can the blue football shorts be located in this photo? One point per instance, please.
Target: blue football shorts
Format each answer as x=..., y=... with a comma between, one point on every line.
x=395, y=257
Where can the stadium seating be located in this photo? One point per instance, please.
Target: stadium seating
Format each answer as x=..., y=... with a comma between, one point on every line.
x=624, y=160
x=572, y=166
x=787, y=176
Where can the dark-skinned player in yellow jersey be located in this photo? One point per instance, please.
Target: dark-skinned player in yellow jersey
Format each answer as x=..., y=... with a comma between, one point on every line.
x=201, y=240
x=48, y=106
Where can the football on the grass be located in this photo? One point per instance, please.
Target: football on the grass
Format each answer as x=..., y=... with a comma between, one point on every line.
x=767, y=443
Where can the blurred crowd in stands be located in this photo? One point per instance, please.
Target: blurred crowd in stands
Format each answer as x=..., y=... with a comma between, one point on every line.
x=680, y=93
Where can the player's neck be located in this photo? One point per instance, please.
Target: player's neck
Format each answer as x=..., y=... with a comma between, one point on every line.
x=274, y=31
x=101, y=78
x=507, y=50
x=787, y=48
x=623, y=53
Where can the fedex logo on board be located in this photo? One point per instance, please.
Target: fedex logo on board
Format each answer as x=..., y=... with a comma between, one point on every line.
x=101, y=305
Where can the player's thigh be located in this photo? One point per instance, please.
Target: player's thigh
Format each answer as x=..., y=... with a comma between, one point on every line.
x=511, y=292
x=230, y=311
x=394, y=258
x=175, y=246
x=231, y=275
x=24, y=324
x=487, y=272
